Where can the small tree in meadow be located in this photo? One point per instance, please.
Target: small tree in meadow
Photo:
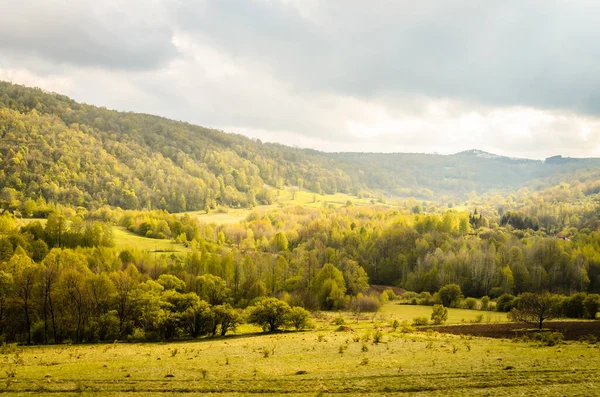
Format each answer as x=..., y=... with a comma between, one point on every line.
x=471, y=303
x=269, y=313
x=485, y=302
x=439, y=314
x=299, y=318
x=536, y=308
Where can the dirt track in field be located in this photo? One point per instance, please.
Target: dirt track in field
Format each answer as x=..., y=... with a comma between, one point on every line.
x=572, y=330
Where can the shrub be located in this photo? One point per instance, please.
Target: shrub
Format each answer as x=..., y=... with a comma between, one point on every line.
x=226, y=317
x=573, y=306
x=420, y=321
x=408, y=296
x=589, y=338
x=478, y=318
x=471, y=303
x=391, y=295
x=496, y=292
x=592, y=305
x=269, y=313
x=362, y=304
x=299, y=318
x=383, y=297
x=450, y=295
x=425, y=299
x=138, y=334
x=377, y=336
x=406, y=328
x=8, y=348
x=439, y=315
x=549, y=338
x=505, y=303
x=485, y=302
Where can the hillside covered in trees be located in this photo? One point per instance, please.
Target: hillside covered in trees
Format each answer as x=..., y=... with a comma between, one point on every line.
x=88, y=170
x=65, y=279
x=53, y=149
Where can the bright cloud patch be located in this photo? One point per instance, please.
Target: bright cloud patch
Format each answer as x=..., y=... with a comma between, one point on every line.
x=392, y=76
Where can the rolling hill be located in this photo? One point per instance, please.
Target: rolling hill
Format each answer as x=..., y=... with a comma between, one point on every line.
x=55, y=149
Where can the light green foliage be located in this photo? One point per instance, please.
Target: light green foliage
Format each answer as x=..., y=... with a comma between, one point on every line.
x=8, y=223
x=330, y=287
x=280, y=242
x=269, y=313
x=299, y=318
x=355, y=277
x=485, y=301
x=420, y=321
x=536, y=308
x=471, y=303
x=439, y=315
x=170, y=282
x=212, y=289
x=450, y=295
x=226, y=318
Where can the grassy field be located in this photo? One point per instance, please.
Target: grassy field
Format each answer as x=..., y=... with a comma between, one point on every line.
x=455, y=316
x=319, y=362
x=224, y=218
x=26, y=221
x=309, y=199
x=286, y=197
x=125, y=239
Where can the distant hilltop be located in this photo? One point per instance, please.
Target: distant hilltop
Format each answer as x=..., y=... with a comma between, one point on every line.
x=487, y=155
x=478, y=153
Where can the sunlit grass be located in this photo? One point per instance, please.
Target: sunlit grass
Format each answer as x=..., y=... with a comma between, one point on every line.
x=324, y=360
x=283, y=198
x=124, y=239
x=455, y=316
x=26, y=221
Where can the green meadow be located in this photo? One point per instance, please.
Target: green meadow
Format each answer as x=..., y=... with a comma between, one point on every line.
x=125, y=239
x=283, y=198
x=349, y=357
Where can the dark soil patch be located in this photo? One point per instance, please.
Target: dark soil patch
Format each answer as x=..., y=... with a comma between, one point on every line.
x=572, y=330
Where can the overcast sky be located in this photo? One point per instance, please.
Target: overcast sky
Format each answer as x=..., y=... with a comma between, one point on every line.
x=519, y=78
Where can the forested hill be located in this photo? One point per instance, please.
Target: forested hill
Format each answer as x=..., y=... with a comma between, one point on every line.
x=54, y=148
x=85, y=155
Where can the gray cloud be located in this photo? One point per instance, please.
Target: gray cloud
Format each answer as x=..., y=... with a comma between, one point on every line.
x=108, y=34
x=534, y=53
x=514, y=77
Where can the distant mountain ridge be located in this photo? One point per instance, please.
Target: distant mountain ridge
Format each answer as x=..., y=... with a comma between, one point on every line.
x=488, y=155
x=59, y=150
